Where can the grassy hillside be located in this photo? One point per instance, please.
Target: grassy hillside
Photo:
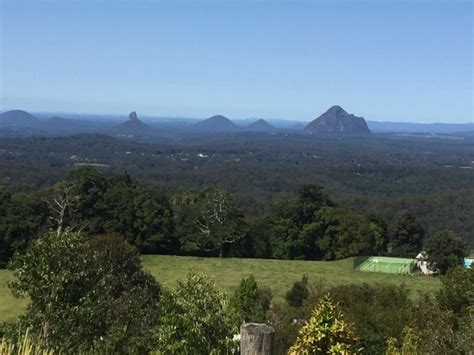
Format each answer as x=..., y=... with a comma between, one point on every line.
x=279, y=275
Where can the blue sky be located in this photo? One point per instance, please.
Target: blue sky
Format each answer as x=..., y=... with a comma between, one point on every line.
x=383, y=60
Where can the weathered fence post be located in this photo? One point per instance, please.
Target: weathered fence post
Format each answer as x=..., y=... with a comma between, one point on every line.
x=256, y=339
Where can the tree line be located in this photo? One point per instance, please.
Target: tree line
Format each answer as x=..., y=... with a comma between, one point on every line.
x=208, y=222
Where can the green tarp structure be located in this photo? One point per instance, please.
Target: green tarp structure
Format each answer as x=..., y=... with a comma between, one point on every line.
x=388, y=265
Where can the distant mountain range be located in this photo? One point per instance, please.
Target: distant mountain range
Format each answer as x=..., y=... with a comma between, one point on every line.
x=408, y=127
x=334, y=121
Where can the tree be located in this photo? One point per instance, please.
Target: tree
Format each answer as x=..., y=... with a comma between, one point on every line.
x=143, y=218
x=457, y=291
x=298, y=293
x=209, y=221
x=406, y=236
x=378, y=312
x=86, y=295
x=249, y=303
x=344, y=233
x=90, y=185
x=309, y=200
x=325, y=332
x=61, y=201
x=21, y=219
x=445, y=250
x=436, y=327
x=193, y=318
x=410, y=345
x=295, y=224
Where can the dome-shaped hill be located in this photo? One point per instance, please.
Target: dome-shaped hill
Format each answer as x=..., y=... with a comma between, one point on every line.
x=216, y=123
x=260, y=126
x=18, y=118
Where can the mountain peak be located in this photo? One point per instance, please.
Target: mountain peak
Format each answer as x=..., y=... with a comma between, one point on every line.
x=132, y=126
x=337, y=121
x=133, y=116
x=336, y=109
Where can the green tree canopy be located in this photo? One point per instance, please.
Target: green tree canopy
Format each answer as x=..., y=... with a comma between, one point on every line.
x=193, y=319
x=298, y=293
x=249, y=303
x=208, y=221
x=406, y=236
x=86, y=294
x=445, y=250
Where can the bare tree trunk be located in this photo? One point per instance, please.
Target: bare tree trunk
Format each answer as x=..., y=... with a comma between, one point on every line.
x=221, y=250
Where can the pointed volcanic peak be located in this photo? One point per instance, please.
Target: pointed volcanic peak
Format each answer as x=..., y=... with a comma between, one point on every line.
x=260, y=126
x=216, y=123
x=336, y=121
x=18, y=118
x=132, y=126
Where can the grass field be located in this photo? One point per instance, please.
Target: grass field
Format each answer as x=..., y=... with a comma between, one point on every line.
x=279, y=275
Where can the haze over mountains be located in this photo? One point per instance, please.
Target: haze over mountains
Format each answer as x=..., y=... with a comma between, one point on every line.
x=335, y=121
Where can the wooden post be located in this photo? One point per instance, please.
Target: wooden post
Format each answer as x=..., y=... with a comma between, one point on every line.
x=256, y=339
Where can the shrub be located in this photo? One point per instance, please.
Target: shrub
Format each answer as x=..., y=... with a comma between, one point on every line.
x=193, y=319
x=325, y=332
x=86, y=294
x=298, y=293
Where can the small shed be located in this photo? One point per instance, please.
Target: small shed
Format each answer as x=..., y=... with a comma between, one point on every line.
x=422, y=264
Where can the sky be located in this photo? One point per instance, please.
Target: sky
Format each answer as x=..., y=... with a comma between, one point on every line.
x=385, y=60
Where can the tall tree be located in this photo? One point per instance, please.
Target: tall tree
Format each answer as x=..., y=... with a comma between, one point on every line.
x=406, y=236
x=445, y=250
x=209, y=221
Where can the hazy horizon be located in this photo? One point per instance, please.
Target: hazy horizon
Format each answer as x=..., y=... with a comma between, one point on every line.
x=387, y=61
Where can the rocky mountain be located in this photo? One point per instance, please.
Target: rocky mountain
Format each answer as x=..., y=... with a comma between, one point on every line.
x=18, y=118
x=216, y=123
x=133, y=126
x=336, y=121
x=260, y=126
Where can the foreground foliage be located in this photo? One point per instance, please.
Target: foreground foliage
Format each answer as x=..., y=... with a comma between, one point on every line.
x=249, y=303
x=24, y=345
x=325, y=332
x=193, y=319
x=86, y=294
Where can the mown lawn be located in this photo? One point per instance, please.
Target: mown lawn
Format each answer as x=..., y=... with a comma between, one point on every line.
x=279, y=275
x=10, y=307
